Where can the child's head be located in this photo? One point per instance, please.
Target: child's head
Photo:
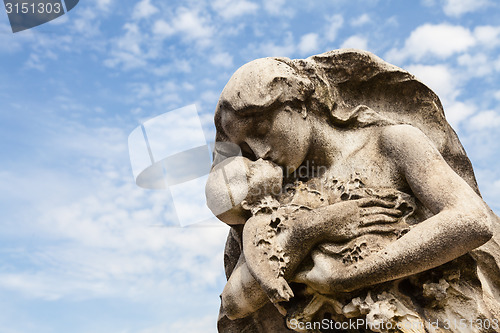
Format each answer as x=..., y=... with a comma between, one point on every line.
x=265, y=178
x=265, y=181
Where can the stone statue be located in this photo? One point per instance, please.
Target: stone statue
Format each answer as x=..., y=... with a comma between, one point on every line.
x=353, y=206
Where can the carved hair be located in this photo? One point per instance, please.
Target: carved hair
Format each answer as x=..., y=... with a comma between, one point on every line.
x=263, y=84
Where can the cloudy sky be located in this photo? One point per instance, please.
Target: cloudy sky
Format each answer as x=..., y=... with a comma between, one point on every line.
x=83, y=249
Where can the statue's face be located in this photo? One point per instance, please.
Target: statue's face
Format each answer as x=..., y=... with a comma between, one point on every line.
x=280, y=135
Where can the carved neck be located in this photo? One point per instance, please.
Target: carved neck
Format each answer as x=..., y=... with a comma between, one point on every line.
x=329, y=145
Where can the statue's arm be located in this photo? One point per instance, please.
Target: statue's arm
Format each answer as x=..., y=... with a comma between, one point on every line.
x=462, y=220
x=244, y=294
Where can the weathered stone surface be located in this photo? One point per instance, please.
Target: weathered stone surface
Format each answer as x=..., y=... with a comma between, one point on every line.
x=351, y=201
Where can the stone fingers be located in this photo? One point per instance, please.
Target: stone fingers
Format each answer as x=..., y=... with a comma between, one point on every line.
x=371, y=202
x=377, y=229
x=376, y=219
x=367, y=211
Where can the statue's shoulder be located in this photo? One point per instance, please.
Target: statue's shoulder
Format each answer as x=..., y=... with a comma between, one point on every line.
x=409, y=148
x=394, y=132
x=402, y=137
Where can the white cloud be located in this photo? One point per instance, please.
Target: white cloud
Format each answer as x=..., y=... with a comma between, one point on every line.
x=86, y=23
x=44, y=48
x=441, y=41
x=439, y=78
x=334, y=24
x=162, y=28
x=278, y=7
x=476, y=65
x=493, y=192
x=488, y=178
x=173, y=66
x=489, y=36
x=274, y=50
x=222, y=59
x=127, y=50
x=210, y=96
x=232, y=9
x=103, y=5
x=355, y=42
x=485, y=120
x=497, y=95
x=199, y=325
x=15, y=42
x=392, y=22
x=189, y=24
x=35, y=62
x=132, y=39
x=480, y=63
x=308, y=43
x=192, y=24
x=361, y=20
x=99, y=235
x=457, y=8
x=457, y=112
x=271, y=49
x=496, y=65
x=163, y=94
x=144, y=9
x=112, y=257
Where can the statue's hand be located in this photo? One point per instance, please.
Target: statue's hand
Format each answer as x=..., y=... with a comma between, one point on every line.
x=354, y=218
x=328, y=276
x=374, y=211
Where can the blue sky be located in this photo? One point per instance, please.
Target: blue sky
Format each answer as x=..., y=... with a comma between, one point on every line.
x=82, y=248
